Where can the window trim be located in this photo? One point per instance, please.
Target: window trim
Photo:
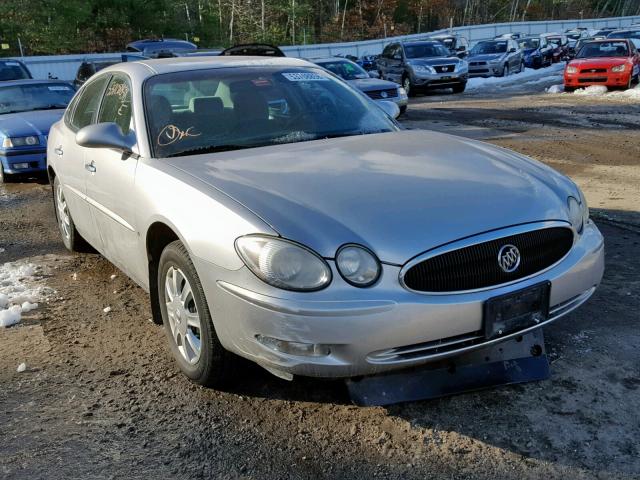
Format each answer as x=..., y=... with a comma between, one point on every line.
x=133, y=128
x=76, y=100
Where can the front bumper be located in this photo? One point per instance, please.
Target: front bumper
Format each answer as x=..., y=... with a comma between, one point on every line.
x=607, y=79
x=24, y=162
x=533, y=62
x=484, y=69
x=380, y=328
x=440, y=80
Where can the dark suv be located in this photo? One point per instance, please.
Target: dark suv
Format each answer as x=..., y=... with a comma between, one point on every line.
x=423, y=65
x=456, y=44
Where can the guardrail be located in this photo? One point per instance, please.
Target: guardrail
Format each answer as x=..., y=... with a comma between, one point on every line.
x=65, y=66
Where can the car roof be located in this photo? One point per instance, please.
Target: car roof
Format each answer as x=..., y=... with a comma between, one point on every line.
x=420, y=42
x=30, y=81
x=156, y=66
x=328, y=59
x=5, y=60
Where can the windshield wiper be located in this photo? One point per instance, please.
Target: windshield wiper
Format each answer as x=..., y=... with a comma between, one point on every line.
x=210, y=149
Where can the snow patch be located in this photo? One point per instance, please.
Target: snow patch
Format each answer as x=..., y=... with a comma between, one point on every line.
x=592, y=91
x=106, y=309
x=555, y=89
x=18, y=291
x=21, y=368
x=528, y=76
x=602, y=91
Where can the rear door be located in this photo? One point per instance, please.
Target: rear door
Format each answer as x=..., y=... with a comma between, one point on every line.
x=69, y=161
x=110, y=180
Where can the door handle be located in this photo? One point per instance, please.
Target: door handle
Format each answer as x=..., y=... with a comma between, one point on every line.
x=59, y=151
x=90, y=167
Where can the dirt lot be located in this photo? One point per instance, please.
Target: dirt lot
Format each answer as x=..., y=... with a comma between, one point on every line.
x=101, y=397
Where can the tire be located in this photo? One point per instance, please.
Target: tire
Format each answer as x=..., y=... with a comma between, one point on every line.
x=187, y=322
x=71, y=238
x=4, y=177
x=505, y=71
x=522, y=67
x=403, y=110
x=407, y=84
x=459, y=88
x=569, y=89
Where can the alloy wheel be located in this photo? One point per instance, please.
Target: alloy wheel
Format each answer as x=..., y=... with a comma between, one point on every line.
x=407, y=85
x=182, y=312
x=64, y=219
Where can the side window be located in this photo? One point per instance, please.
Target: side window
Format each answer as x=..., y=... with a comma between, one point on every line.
x=116, y=106
x=386, y=53
x=396, y=53
x=86, y=105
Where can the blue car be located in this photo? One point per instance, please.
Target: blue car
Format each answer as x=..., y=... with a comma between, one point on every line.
x=28, y=108
x=537, y=50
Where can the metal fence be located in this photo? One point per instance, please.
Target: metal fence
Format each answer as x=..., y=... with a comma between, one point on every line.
x=65, y=66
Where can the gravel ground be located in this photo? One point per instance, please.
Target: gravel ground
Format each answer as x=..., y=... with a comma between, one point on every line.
x=101, y=397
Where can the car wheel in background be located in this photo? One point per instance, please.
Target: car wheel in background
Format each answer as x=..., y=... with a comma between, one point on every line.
x=403, y=110
x=569, y=89
x=459, y=88
x=521, y=67
x=72, y=240
x=505, y=71
x=4, y=177
x=407, y=84
x=187, y=319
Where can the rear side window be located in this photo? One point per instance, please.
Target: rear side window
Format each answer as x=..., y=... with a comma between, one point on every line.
x=88, y=102
x=13, y=70
x=116, y=106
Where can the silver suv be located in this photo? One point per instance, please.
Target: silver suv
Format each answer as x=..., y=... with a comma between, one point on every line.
x=495, y=58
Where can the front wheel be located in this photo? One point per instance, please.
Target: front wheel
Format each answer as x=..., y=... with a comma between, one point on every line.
x=72, y=240
x=4, y=177
x=403, y=109
x=505, y=71
x=521, y=67
x=408, y=86
x=187, y=319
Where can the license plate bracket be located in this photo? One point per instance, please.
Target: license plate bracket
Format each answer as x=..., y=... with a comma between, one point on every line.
x=516, y=311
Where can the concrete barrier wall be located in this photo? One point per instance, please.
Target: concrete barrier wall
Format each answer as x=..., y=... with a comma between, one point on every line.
x=65, y=66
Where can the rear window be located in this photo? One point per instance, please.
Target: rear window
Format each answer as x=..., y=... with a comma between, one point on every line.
x=12, y=70
x=34, y=96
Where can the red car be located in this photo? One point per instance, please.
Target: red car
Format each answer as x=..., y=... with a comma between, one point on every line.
x=610, y=62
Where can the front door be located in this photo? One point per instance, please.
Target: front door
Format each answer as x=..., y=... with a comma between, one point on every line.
x=110, y=181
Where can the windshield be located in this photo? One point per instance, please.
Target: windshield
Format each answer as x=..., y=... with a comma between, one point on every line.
x=528, y=43
x=345, y=70
x=574, y=36
x=557, y=41
x=221, y=109
x=604, y=49
x=483, y=48
x=422, y=50
x=34, y=96
x=11, y=70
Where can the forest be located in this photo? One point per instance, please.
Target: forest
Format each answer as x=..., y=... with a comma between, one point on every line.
x=80, y=26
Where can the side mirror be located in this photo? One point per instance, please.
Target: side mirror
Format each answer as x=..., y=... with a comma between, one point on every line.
x=390, y=108
x=105, y=135
x=374, y=74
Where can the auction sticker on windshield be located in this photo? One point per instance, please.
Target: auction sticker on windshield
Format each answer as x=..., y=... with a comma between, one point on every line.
x=304, y=77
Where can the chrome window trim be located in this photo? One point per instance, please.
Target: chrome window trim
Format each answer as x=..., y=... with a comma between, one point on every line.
x=482, y=238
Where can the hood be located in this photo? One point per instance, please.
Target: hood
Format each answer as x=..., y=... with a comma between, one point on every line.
x=37, y=122
x=434, y=61
x=399, y=193
x=603, y=62
x=369, y=84
x=485, y=57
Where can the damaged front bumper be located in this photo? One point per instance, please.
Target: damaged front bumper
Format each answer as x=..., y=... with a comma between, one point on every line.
x=343, y=331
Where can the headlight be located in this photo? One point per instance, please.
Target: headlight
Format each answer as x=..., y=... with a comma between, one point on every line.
x=284, y=264
x=571, y=69
x=576, y=214
x=619, y=68
x=11, y=142
x=423, y=69
x=358, y=265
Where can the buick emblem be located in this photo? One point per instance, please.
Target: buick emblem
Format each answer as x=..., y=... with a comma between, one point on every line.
x=383, y=94
x=509, y=258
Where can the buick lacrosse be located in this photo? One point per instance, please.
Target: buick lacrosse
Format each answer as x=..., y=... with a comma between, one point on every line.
x=273, y=212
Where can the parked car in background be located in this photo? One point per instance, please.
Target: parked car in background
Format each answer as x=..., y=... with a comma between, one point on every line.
x=374, y=88
x=573, y=36
x=318, y=240
x=612, y=63
x=11, y=69
x=253, y=49
x=88, y=68
x=633, y=33
x=510, y=35
x=457, y=44
x=153, y=47
x=559, y=44
x=537, y=51
x=422, y=65
x=368, y=62
x=28, y=108
x=495, y=58
x=603, y=32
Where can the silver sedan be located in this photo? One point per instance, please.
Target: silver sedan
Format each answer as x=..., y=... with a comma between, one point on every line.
x=273, y=212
